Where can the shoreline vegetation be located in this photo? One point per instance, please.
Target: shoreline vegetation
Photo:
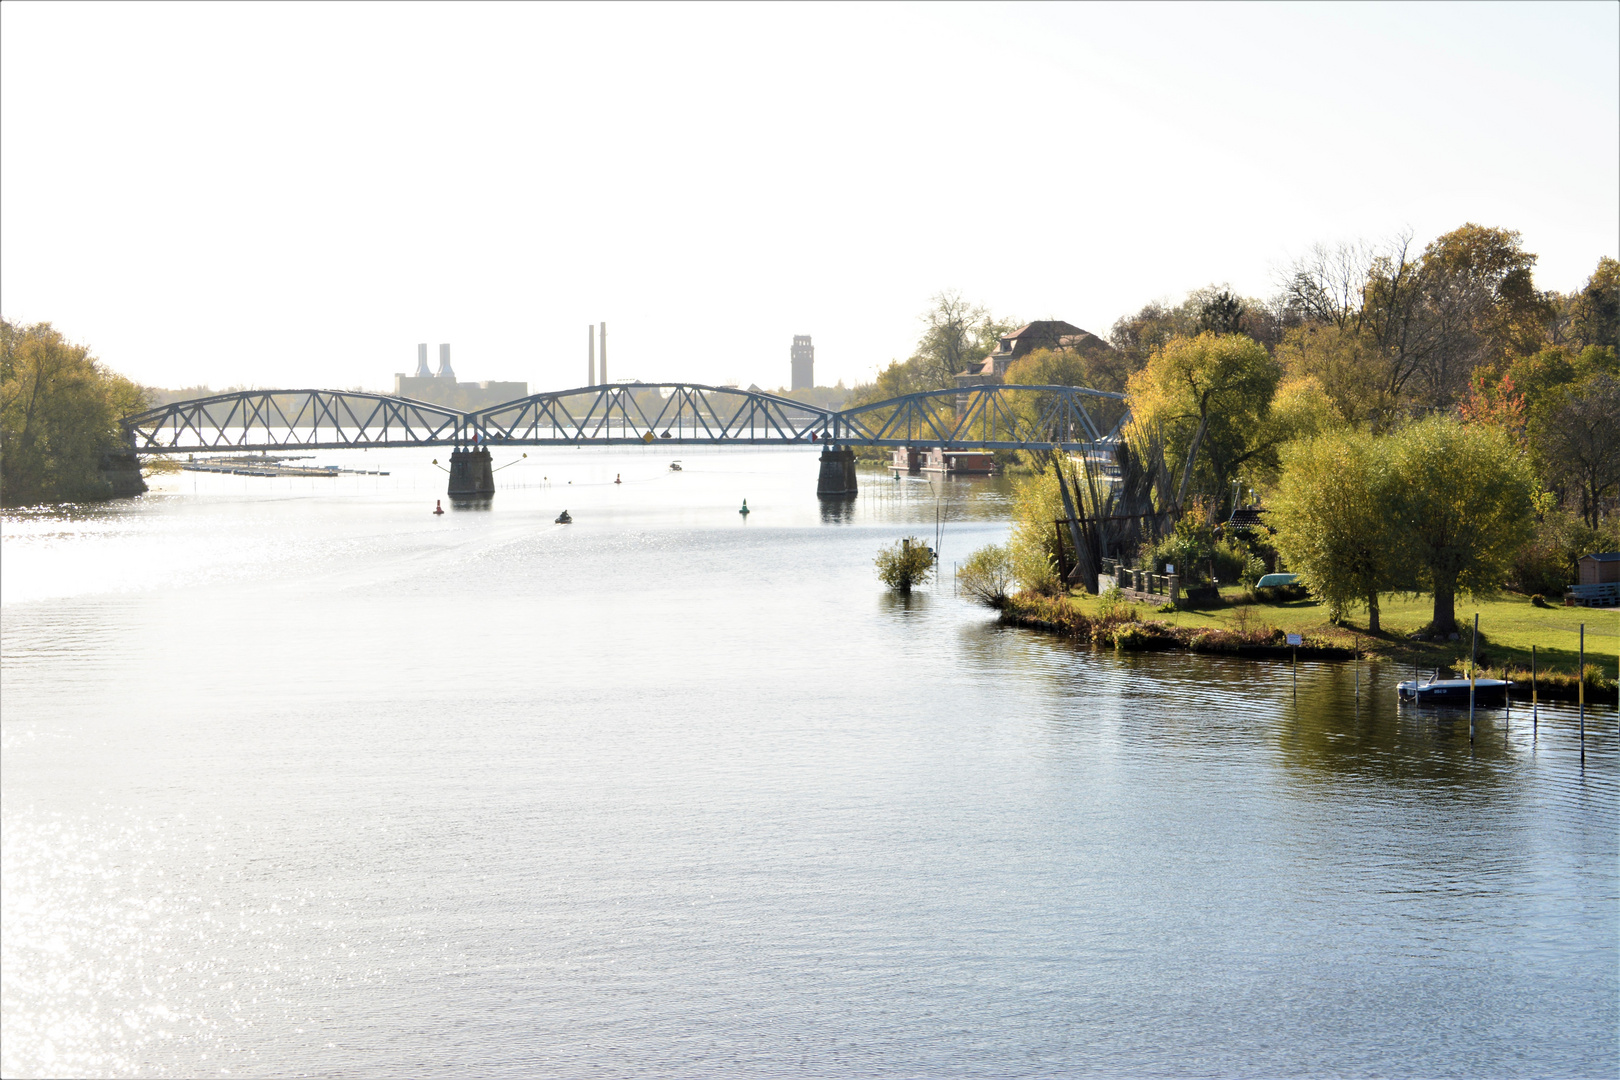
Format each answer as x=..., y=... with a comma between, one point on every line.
x=1509, y=625
x=59, y=421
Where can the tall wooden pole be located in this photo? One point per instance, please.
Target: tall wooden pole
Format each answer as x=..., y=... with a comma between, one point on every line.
x=1581, y=675
x=1473, y=656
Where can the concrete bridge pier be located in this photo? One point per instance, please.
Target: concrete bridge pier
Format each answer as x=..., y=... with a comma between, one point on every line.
x=471, y=476
x=837, y=479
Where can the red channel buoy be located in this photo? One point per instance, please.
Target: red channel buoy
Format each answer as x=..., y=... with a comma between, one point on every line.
x=438, y=506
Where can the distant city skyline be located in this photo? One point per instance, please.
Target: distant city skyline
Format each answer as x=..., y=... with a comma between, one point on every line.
x=270, y=196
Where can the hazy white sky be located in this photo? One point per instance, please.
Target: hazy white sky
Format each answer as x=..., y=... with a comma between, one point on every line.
x=295, y=195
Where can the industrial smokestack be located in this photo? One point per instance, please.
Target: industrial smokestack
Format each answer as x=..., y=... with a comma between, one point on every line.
x=445, y=371
x=604, y=352
x=422, y=371
x=590, y=335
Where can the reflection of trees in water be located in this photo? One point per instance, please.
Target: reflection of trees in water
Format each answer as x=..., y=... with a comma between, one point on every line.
x=905, y=605
x=1163, y=698
x=1192, y=705
x=983, y=646
x=1329, y=733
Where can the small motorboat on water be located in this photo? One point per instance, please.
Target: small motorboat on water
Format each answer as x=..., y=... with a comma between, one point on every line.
x=674, y=466
x=1488, y=693
x=565, y=518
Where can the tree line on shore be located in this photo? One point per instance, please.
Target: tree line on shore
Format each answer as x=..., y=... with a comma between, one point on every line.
x=1417, y=421
x=1414, y=422
x=59, y=412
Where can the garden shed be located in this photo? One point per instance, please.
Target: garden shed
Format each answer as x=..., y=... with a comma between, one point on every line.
x=1600, y=567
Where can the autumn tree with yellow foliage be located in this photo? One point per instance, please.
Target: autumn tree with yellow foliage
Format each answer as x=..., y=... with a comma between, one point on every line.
x=59, y=412
x=1219, y=405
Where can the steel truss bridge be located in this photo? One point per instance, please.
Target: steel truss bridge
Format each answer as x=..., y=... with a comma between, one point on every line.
x=978, y=417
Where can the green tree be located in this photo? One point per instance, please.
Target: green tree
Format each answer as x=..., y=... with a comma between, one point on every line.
x=956, y=335
x=1037, y=504
x=1463, y=497
x=1054, y=367
x=1596, y=308
x=1350, y=367
x=1331, y=510
x=905, y=563
x=1550, y=561
x=1214, y=308
x=1139, y=335
x=1221, y=313
x=59, y=412
x=1210, y=397
x=1416, y=326
x=1559, y=402
x=1483, y=276
x=901, y=377
x=1579, y=438
x=988, y=574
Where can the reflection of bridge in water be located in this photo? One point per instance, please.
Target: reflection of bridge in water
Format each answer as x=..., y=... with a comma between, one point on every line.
x=1067, y=418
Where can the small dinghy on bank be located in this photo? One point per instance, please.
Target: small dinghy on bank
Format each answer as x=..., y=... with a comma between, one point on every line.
x=1488, y=693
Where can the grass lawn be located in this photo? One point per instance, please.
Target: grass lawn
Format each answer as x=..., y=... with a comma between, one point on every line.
x=1508, y=626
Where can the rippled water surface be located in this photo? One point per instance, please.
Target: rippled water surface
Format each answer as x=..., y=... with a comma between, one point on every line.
x=300, y=779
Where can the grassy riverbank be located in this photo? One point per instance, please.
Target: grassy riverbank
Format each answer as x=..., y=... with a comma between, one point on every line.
x=1508, y=626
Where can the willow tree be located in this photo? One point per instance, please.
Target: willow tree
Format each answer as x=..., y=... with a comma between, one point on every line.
x=1035, y=546
x=1463, y=498
x=1210, y=399
x=1332, y=512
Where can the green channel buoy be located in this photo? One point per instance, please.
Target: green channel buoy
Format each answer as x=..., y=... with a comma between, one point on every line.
x=744, y=510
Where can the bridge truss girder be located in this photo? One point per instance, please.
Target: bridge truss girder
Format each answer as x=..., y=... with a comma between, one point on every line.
x=684, y=412
x=990, y=417
x=993, y=417
x=292, y=420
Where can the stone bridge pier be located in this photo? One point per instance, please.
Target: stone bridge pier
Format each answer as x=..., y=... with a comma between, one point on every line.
x=471, y=476
x=837, y=479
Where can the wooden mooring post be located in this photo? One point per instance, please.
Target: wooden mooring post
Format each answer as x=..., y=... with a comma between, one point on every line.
x=1294, y=642
x=1473, y=658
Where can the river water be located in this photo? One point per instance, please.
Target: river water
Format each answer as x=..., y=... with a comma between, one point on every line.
x=300, y=779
